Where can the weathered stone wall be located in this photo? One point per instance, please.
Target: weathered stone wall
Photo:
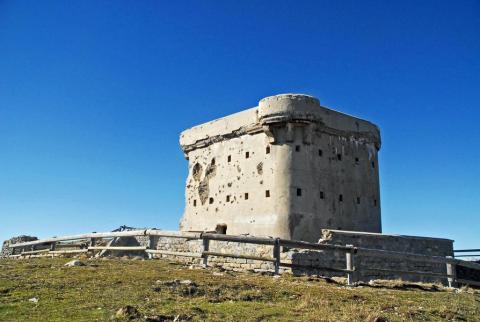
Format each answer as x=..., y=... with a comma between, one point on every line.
x=6, y=251
x=286, y=168
x=325, y=258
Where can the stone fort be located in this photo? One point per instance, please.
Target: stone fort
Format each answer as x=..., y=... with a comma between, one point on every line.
x=287, y=168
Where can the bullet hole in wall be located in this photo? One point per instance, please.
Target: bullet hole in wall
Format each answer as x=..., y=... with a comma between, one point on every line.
x=320, y=153
x=357, y=160
x=229, y=158
x=210, y=200
x=297, y=148
x=375, y=202
x=194, y=202
x=299, y=192
x=358, y=200
x=267, y=150
x=213, y=161
x=246, y=195
x=197, y=171
x=247, y=155
x=267, y=193
x=339, y=157
x=322, y=196
x=373, y=164
x=340, y=198
x=228, y=198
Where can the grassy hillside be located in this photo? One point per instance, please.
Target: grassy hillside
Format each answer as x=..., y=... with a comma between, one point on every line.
x=95, y=292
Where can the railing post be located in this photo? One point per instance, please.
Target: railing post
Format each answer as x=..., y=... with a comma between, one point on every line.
x=350, y=265
x=276, y=256
x=452, y=274
x=206, y=246
x=151, y=245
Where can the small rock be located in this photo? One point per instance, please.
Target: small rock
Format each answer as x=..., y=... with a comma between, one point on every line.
x=127, y=312
x=217, y=274
x=33, y=300
x=75, y=262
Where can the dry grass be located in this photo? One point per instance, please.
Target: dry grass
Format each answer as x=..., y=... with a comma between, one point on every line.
x=96, y=291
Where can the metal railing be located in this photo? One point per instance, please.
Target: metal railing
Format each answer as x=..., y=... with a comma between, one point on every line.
x=463, y=251
x=88, y=243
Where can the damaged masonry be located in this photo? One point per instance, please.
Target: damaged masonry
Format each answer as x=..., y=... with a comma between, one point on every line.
x=289, y=168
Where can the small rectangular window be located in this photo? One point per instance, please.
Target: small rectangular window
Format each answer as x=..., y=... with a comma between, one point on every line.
x=358, y=200
x=267, y=150
x=194, y=202
x=339, y=157
x=322, y=196
x=297, y=148
x=299, y=192
x=320, y=153
x=228, y=198
x=247, y=155
x=340, y=198
x=229, y=158
x=246, y=195
x=267, y=193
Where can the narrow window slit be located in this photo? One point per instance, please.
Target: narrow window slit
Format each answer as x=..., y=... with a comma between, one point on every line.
x=246, y=195
x=267, y=193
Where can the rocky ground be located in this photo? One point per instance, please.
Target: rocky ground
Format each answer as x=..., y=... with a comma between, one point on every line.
x=138, y=290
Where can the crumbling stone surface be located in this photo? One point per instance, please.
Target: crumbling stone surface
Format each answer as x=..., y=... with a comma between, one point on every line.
x=288, y=168
x=6, y=251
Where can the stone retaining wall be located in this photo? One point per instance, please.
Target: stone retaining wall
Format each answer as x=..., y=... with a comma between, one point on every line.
x=323, y=258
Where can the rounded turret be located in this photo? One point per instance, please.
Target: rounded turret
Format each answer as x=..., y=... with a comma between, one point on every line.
x=288, y=107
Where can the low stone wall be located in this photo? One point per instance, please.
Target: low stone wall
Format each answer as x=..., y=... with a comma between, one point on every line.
x=309, y=259
x=305, y=262
x=6, y=251
x=365, y=260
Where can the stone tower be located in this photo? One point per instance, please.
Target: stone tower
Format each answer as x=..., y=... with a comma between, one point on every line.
x=286, y=168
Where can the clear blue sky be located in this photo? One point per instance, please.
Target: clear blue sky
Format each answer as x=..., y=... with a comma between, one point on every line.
x=94, y=94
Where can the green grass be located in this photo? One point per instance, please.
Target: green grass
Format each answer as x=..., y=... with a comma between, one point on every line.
x=96, y=291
